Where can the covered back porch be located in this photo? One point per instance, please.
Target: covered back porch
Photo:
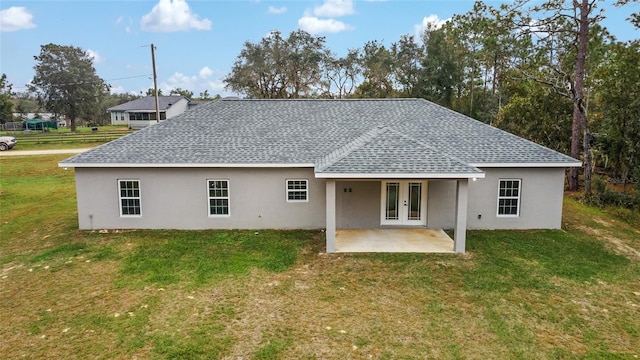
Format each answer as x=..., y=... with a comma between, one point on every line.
x=391, y=173
x=416, y=240
x=391, y=215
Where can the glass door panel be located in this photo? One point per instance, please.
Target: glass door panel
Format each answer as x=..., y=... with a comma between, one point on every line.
x=392, y=203
x=415, y=201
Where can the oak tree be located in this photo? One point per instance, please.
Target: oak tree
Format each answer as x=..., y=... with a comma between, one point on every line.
x=66, y=82
x=6, y=105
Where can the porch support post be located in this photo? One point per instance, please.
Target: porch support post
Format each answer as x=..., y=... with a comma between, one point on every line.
x=460, y=231
x=330, y=231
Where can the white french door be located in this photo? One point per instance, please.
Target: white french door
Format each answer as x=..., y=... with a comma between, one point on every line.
x=403, y=202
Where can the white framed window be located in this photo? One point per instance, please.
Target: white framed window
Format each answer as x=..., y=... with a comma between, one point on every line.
x=218, y=197
x=297, y=190
x=509, y=197
x=129, y=194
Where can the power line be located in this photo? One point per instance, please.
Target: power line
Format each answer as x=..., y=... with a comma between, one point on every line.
x=129, y=77
x=122, y=78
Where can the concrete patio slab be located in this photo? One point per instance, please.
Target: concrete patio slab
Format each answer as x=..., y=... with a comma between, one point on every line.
x=393, y=240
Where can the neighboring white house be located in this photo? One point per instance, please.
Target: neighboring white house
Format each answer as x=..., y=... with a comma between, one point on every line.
x=141, y=113
x=59, y=119
x=324, y=164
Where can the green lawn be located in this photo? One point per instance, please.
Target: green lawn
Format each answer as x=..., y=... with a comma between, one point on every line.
x=62, y=138
x=63, y=130
x=565, y=294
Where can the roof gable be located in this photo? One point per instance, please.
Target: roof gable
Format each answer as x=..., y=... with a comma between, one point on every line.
x=385, y=152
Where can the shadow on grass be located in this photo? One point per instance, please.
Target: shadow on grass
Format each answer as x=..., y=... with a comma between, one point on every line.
x=199, y=257
x=529, y=259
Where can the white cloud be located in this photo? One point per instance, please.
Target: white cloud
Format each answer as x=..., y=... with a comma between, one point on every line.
x=16, y=18
x=322, y=18
x=536, y=27
x=179, y=80
x=277, y=10
x=173, y=15
x=314, y=25
x=122, y=21
x=205, y=72
x=117, y=89
x=431, y=21
x=97, y=58
x=217, y=87
x=206, y=79
x=334, y=8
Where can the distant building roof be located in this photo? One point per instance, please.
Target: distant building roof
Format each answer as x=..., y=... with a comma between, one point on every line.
x=195, y=103
x=148, y=103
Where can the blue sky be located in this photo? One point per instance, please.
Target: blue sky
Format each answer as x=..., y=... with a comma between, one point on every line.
x=198, y=41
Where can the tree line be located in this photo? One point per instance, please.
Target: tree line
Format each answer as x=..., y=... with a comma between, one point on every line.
x=549, y=73
x=66, y=83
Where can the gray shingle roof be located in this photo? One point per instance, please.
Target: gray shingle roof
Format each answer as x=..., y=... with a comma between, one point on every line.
x=386, y=151
x=147, y=103
x=417, y=133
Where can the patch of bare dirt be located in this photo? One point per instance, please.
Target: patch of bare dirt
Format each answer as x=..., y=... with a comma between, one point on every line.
x=54, y=308
x=617, y=245
x=604, y=222
x=363, y=309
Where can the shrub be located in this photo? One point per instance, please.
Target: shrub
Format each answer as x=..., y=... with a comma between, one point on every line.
x=605, y=196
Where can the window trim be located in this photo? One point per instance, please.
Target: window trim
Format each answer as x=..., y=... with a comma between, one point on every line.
x=120, y=198
x=518, y=198
x=209, y=198
x=287, y=191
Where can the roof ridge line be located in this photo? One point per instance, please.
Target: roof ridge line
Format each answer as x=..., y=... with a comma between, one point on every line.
x=343, y=151
x=432, y=148
x=234, y=98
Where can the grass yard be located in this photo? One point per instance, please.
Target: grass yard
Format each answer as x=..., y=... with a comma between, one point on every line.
x=62, y=138
x=65, y=294
x=55, y=146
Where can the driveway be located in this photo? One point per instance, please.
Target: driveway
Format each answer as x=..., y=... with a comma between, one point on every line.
x=41, y=152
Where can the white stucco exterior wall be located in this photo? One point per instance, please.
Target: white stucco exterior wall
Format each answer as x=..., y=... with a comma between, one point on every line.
x=178, y=199
x=357, y=204
x=542, y=191
x=119, y=118
x=441, y=204
x=177, y=108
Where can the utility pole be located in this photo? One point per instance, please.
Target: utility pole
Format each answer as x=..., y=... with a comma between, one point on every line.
x=155, y=82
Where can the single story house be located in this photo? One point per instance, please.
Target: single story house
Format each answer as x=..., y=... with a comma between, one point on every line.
x=323, y=164
x=141, y=113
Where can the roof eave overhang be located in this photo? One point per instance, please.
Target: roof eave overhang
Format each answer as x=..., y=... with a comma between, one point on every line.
x=476, y=175
x=192, y=165
x=527, y=165
x=143, y=110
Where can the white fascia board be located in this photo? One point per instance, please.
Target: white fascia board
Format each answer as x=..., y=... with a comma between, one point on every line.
x=116, y=165
x=400, y=176
x=526, y=165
